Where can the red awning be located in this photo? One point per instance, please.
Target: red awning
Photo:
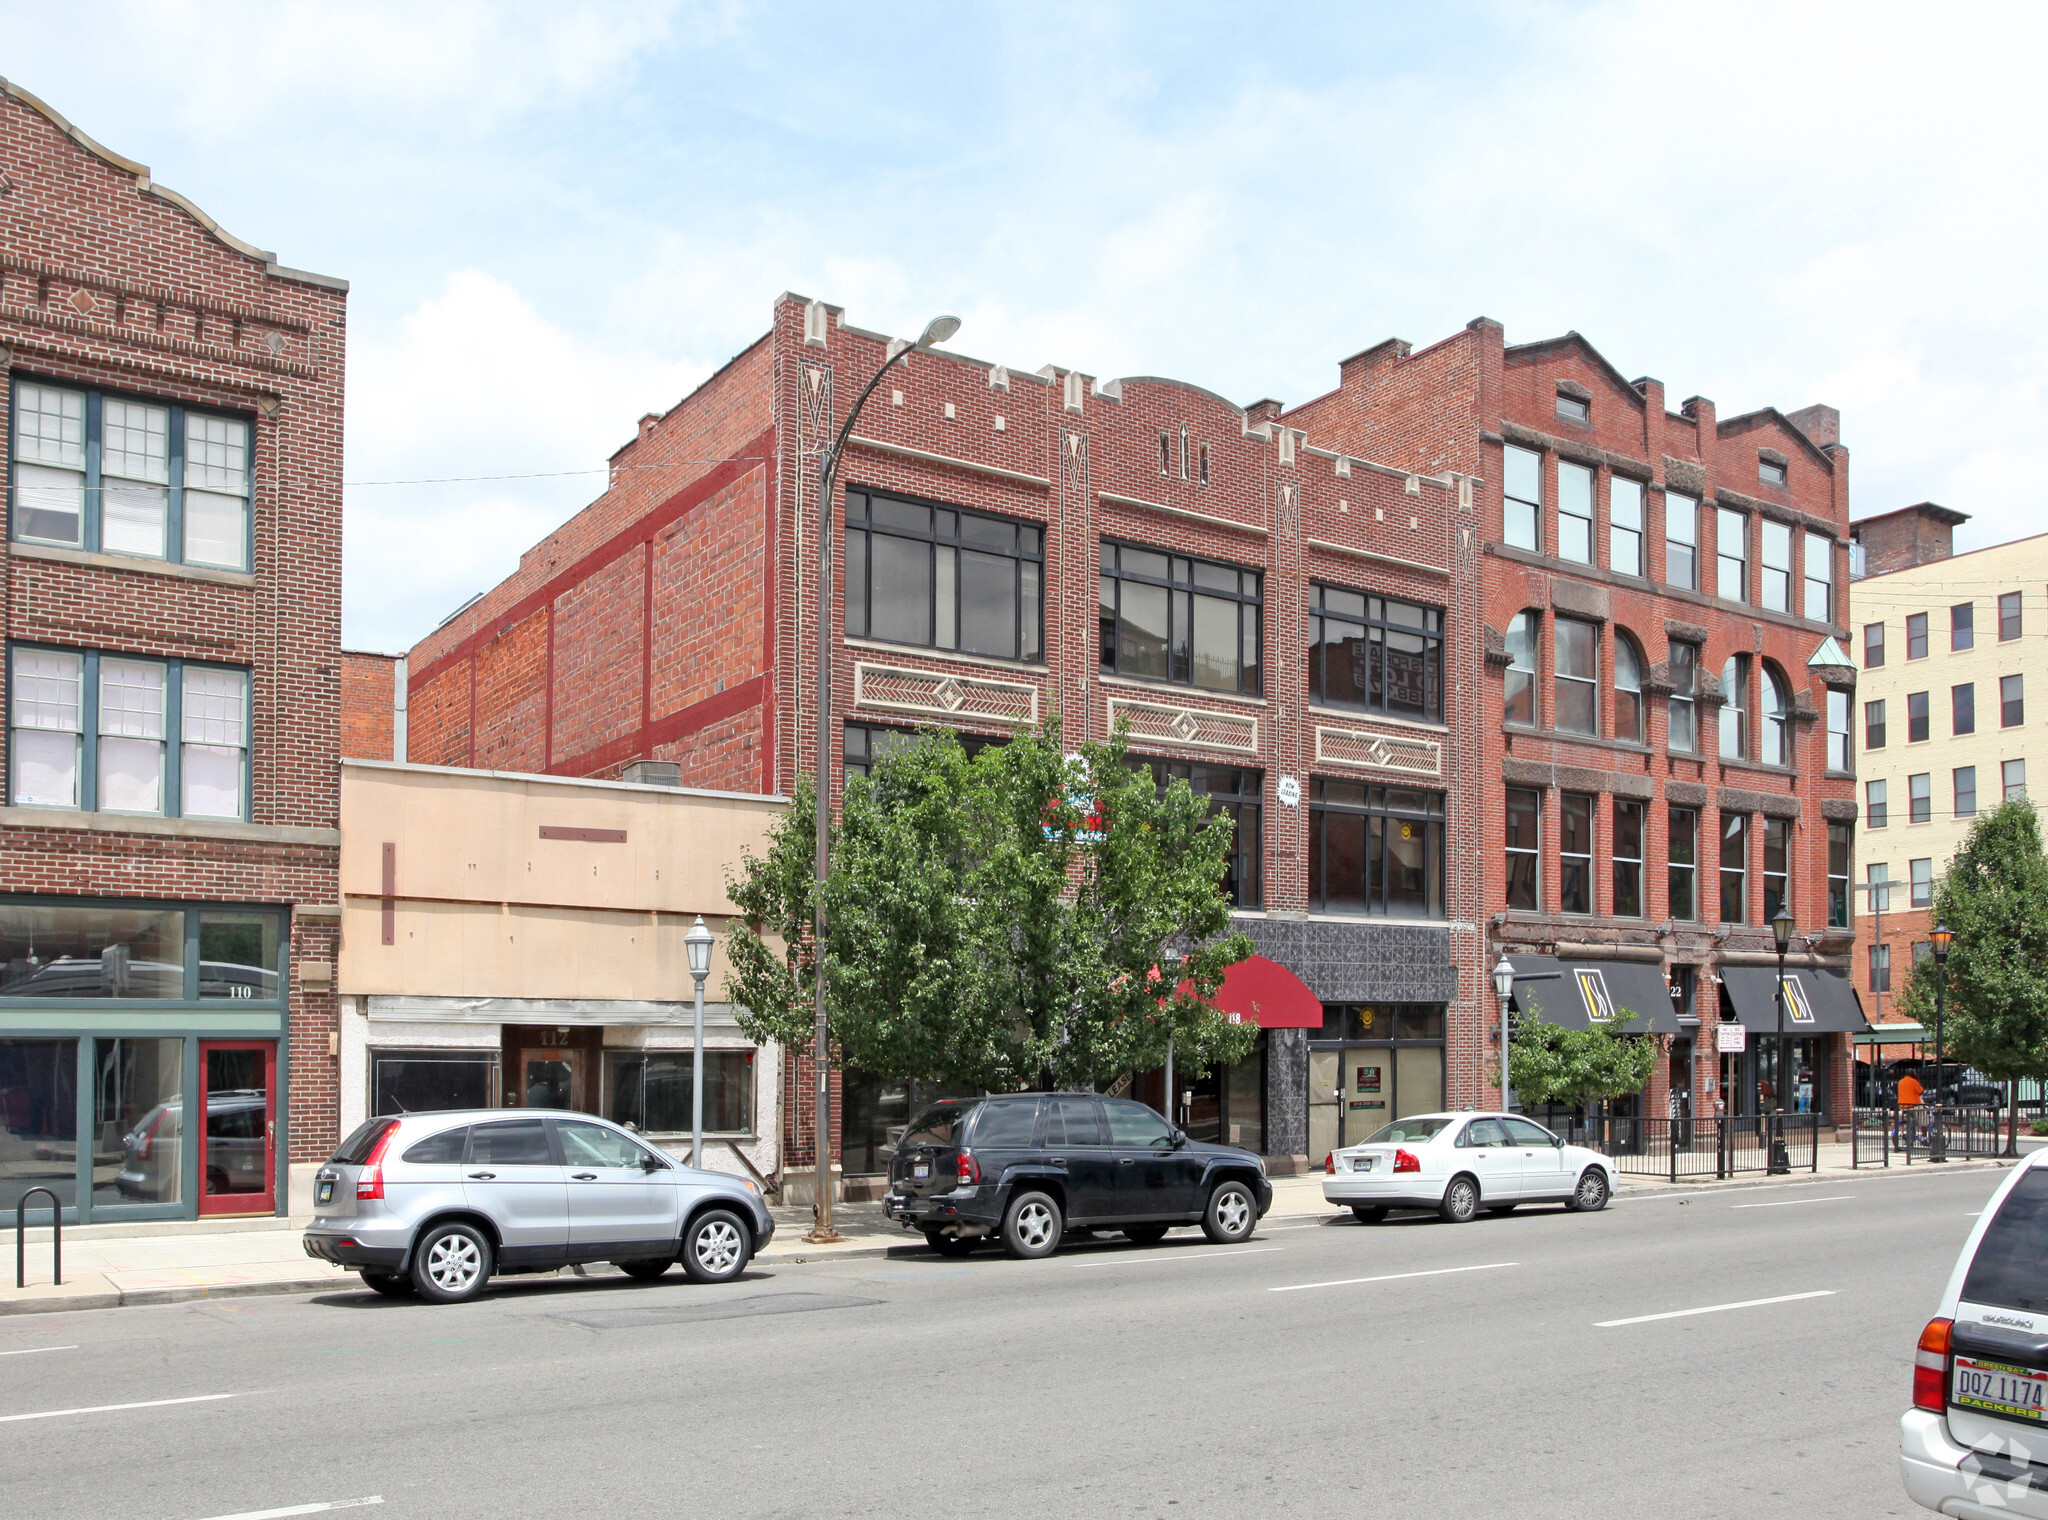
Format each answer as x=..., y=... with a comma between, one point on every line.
x=1269, y=995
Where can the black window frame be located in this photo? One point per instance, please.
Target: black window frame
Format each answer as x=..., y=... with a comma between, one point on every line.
x=942, y=533
x=1375, y=619
x=1429, y=816
x=1245, y=804
x=1181, y=590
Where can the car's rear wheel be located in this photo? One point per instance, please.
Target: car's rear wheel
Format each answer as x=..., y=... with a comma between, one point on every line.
x=950, y=1245
x=1368, y=1213
x=1145, y=1234
x=646, y=1268
x=1232, y=1214
x=715, y=1247
x=1590, y=1196
x=451, y=1263
x=1461, y=1201
x=1032, y=1226
x=390, y=1284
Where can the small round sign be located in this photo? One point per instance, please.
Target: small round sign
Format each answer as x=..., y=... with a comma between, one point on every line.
x=1289, y=790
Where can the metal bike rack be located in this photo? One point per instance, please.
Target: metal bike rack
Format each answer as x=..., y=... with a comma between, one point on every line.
x=21, y=1238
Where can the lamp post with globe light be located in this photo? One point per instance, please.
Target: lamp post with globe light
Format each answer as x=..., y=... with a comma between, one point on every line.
x=698, y=942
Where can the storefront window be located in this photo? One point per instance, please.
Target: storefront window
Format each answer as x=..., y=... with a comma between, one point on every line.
x=1227, y=1104
x=49, y=951
x=38, y=1121
x=138, y=1121
x=652, y=1091
x=874, y=1112
x=238, y=955
x=426, y=1081
x=1369, y=1064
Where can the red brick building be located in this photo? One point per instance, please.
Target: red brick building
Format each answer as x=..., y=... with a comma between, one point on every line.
x=170, y=586
x=372, y=705
x=1666, y=695
x=1286, y=624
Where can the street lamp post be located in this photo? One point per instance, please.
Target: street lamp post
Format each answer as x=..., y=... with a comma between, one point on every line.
x=938, y=330
x=1171, y=959
x=698, y=942
x=1504, y=989
x=1937, y=1134
x=1781, y=935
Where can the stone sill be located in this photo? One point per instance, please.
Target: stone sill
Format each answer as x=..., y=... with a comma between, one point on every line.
x=133, y=563
x=170, y=828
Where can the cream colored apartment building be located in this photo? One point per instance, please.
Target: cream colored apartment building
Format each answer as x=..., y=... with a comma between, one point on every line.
x=1951, y=713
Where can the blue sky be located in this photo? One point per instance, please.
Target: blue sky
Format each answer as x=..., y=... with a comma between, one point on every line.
x=555, y=219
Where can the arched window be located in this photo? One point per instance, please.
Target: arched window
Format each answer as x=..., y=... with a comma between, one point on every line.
x=1520, y=704
x=1628, y=690
x=1735, y=711
x=1777, y=709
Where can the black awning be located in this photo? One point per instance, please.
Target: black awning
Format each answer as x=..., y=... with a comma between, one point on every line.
x=1816, y=1002
x=1574, y=992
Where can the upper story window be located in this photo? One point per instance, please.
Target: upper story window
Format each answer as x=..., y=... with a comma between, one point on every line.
x=1916, y=635
x=1962, y=626
x=1681, y=541
x=1236, y=794
x=1873, y=724
x=1735, y=711
x=1578, y=676
x=1838, y=729
x=1873, y=645
x=1820, y=578
x=1519, y=705
x=1574, y=512
x=2012, y=701
x=1774, y=554
x=1962, y=708
x=1770, y=472
x=1731, y=551
x=1375, y=850
x=108, y=474
x=1375, y=654
x=2008, y=617
x=1522, y=503
x=1574, y=408
x=1840, y=838
x=1916, y=717
x=1624, y=525
x=943, y=578
x=1524, y=846
x=1171, y=618
x=1777, y=744
x=1628, y=691
x=1682, y=727
x=111, y=733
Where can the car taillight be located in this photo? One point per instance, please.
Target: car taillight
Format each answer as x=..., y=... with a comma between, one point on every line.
x=1407, y=1161
x=1930, y=1366
x=370, y=1182
x=148, y=1138
x=1330, y=1162
x=970, y=1169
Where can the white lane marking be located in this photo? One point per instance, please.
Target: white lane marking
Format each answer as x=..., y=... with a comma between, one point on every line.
x=1786, y=1203
x=1346, y=1282
x=1150, y=1261
x=32, y=1350
x=1747, y=1303
x=53, y=1414
x=300, y=1509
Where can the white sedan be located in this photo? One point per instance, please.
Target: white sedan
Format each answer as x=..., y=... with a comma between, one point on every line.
x=1458, y=1164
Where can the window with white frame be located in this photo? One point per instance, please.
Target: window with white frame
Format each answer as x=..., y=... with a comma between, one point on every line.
x=1735, y=710
x=1522, y=506
x=1876, y=804
x=1776, y=731
x=1628, y=691
x=1681, y=541
x=1682, y=720
x=117, y=475
x=1731, y=553
x=1574, y=512
x=1922, y=874
x=1774, y=554
x=114, y=733
x=1624, y=525
x=1820, y=578
x=1839, y=752
x=1578, y=676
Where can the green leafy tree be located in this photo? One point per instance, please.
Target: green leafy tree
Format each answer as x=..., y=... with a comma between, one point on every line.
x=996, y=922
x=1994, y=899
x=1551, y=1064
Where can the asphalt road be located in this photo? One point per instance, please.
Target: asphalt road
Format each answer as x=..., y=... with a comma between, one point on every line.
x=1404, y=1369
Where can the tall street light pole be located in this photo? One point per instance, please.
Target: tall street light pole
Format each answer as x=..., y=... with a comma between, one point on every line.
x=1504, y=989
x=1937, y=1135
x=698, y=942
x=1781, y=935
x=938, y=330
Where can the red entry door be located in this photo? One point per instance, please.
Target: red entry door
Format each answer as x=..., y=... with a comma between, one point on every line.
x=238, y=1141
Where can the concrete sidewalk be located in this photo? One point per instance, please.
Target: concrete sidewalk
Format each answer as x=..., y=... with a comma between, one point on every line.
x=112, y=1266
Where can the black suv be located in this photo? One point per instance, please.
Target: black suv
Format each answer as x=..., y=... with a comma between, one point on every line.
x=1026, y=1167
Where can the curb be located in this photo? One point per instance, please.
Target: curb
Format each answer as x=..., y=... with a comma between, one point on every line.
x=1808, y=1179
x=142, y=1297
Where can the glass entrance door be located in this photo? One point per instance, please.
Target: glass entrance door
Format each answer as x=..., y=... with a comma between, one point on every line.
x=238, y=1142
x=1324, y=1075
x=552, y=1078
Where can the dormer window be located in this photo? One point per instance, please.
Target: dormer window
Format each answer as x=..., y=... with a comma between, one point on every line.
x=1771, y=472
x=1574, y=408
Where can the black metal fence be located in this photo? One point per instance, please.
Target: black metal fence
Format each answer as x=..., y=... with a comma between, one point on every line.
x=1903, y=1136
x=1682, y=1149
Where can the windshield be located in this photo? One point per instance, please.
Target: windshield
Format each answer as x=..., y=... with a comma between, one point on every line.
x=937, y=1125
x=1409, y=1129
x=2010, y=1269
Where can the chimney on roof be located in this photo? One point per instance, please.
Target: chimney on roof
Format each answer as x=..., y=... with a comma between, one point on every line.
x=1822, y=424
x=1917, y=535
x=647, y=423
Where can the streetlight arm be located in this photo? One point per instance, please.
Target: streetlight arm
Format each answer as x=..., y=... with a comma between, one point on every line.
x=828, y=465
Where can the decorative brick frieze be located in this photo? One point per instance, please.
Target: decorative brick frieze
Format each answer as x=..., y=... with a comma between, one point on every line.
x=1169, y=723
x=943, y=693
x=1385, y=752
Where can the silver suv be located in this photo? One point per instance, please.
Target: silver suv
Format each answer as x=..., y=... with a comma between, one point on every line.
x=437, y=1203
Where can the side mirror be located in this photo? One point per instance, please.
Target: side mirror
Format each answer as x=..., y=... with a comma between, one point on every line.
x=1179, y=1139
x=1558, y=1141
x=653, y=1164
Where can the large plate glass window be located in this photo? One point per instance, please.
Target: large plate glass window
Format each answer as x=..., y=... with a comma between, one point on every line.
x=1681, y=541
x=1574, y=512
x=1168, y=617
x=137, y=1105
x=1375, y=850
x=1375, y=654
x=652, y=1091
x=1578, y=676
x=1774, y=554
x=1682, y=855
x=121, y=475
x=38, y=1122
x=1731, y=552
x=1522, y=505
x=1625, y=525
x=942, y=578
x=63, y=950
x=429, y=1081
x=1234, y=793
